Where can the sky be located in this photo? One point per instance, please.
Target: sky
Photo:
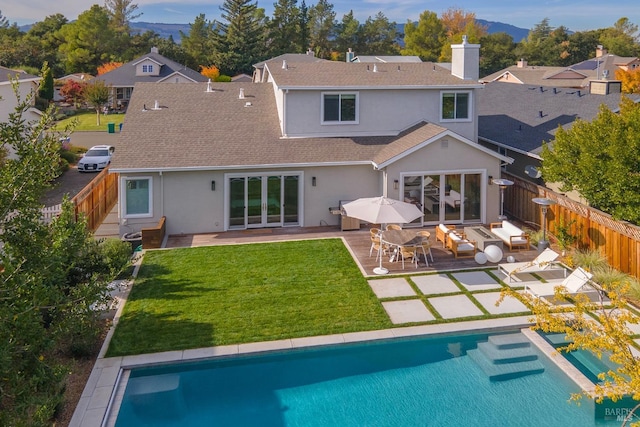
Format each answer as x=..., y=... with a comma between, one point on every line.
x=575, y=15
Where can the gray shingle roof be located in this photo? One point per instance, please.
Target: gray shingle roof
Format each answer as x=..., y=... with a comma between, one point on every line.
x=196, y=129
x=335, y=74
x=6, y=74
x=125, y=75
x=522, y=116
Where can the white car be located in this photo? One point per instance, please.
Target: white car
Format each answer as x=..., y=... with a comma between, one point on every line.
x=96, y=159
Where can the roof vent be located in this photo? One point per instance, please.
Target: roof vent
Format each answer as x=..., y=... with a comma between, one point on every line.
x=241, y=95
x=248, y=104
x=284, y=65
x=375, y=68
x=156, y=105
x=209, y=89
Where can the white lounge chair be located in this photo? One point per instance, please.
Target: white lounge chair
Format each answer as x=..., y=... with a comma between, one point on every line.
x=544, y=261
x=577, y=281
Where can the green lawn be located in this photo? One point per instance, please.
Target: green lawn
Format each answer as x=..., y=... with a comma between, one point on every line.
x=217, y=295
x=87, y=121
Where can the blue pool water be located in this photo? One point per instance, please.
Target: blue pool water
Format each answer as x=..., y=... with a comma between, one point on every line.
x=417, y=382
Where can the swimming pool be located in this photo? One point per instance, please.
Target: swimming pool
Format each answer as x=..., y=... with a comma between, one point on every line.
x=408, y=382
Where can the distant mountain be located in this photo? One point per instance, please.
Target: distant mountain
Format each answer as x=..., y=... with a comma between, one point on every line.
x=164, y=30
x=517, y=33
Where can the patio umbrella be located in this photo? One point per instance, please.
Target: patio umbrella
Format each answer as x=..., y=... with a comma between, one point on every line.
x=382, y=210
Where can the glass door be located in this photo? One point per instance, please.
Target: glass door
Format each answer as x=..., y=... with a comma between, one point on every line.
x=263, y=201
x=445, y=197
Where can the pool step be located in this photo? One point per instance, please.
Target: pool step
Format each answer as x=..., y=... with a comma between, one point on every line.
x=504, y=357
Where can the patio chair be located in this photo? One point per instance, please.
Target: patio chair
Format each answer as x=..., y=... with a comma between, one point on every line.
x=544, y=261
x=408, y=253
x=426, y=245
x=578, y=281
x=393, y=227
x=442, y=231
x=461, y=246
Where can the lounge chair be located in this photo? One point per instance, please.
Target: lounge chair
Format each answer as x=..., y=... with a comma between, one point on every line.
x=574, y=283
x=544, y=261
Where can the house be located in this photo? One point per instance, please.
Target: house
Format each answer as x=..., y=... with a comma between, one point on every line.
x=26, y=84
x=310, y=134
x=151, y=67
x=515, y=120
x=579, y=75
x=76, y=77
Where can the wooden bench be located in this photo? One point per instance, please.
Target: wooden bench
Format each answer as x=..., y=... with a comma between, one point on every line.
x=153, y=237
x=511, y=235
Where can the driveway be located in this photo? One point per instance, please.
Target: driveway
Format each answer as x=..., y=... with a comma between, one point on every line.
x=72, y=181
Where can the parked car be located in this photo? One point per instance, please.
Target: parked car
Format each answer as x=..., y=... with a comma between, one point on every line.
x=96, y=159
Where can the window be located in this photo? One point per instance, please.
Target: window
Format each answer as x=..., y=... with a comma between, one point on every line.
x=147, y=68
x=339, y=108
x=137, y=197
x=455, y=106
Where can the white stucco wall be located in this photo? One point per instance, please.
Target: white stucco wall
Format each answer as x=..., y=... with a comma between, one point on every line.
x=381, y=112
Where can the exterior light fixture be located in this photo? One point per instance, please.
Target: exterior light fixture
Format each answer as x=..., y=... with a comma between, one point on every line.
x=396, y=184
x=503, y=183
x=213, y=186
x=313, y=181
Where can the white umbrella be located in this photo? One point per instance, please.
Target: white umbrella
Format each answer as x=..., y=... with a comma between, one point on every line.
x=382, y=210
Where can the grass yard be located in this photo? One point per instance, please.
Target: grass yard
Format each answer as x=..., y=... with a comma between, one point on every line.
x=217, y=295
x=87, y=121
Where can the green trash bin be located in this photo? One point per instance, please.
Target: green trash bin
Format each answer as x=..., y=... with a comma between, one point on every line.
x=111, y=127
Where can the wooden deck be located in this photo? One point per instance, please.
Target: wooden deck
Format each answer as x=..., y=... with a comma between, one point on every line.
x=358, y=242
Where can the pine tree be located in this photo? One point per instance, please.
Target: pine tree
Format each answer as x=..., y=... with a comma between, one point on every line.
x=284, y=28
x=46, y=85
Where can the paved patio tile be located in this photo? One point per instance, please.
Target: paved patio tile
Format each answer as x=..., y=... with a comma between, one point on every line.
x=455, y=306
x=407, y=311
x=391, y=288
x=508, y=305
x=435, y=284
x=476, y=280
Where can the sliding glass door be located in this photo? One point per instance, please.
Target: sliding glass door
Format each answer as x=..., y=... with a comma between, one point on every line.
x=445, y=197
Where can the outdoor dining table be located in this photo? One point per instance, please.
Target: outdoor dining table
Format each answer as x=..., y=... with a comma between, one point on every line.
x=403, y=238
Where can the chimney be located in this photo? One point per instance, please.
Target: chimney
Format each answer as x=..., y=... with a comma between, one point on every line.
x=522, y=63
x=465, y=60
x=154, y=50
x=350, y=55
x=600, y=51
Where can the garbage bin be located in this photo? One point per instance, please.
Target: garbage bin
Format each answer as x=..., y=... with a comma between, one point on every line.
x=134, y=238
x=111, y=127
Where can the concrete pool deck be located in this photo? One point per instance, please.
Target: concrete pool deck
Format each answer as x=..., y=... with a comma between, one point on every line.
x=408, y=301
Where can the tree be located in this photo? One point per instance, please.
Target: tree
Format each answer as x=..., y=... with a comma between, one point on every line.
x=622, y=38
x=109, y=66
x=42, y=44
x=45, y=91
x=304, y=27
x=73, y=91
x=424, y=39
x=496, y=53
x=210, y=71
x=349, y=36
x=379, y=36
x=238, y=39
x=284, y=28
x=96, y=94
x=630, y=80
x=600, y=160
x=87, y=42
x=458, y=23
x=121, y=12
x=197, y=44
x=322, y=27
x=43, y=298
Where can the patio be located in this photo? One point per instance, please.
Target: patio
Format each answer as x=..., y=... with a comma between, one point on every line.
x=358, y=243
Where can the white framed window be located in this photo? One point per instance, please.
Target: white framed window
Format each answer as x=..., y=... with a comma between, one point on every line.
x=137, y=197
x=147, y=68
x=455, y=106
x=339, y=108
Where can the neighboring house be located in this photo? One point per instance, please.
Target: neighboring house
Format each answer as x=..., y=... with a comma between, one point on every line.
x=27, y=84
x=515, y=120
x=151, y=67
x=220, y=156
x=579, y=75
x=77, y=77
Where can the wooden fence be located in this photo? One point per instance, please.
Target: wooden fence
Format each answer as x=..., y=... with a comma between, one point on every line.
x=96, y=200
x=618, y=241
